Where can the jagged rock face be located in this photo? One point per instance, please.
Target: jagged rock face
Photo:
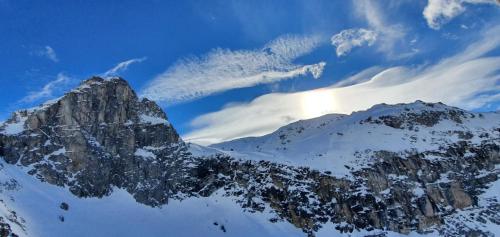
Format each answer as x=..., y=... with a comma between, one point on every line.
x=101, y=136
x=400, y=193
x=101, y=129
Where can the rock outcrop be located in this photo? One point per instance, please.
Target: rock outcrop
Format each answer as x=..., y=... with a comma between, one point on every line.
x=100, y=129
x=401, y=193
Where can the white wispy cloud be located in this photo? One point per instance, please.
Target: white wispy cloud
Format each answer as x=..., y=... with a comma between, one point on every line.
x=122, y=66
x=47, y=90
x=346, y=40
x=48, y=52
x=468, y=79
x=224, y=69
x=439, y=12
x=359, y=77
x=388, y=34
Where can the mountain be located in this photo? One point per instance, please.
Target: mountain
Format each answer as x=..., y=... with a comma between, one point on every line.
x=99, y=161
x=340, y=143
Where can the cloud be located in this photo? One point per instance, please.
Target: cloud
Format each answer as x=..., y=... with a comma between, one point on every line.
x=359, y=77
x=224, y=69
x=439, y=12
x=47, y=90
x=468, y=79
x=122, y=66
x=49, y=53
x=388, y=34
x=346, y=40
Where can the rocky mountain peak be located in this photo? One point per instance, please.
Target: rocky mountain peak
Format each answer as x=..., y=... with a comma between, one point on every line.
x=99, y=127
x=111, y=101
x=407, y=116
x=94, y=104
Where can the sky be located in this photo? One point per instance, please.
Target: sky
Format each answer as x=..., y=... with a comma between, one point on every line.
x=229, y=69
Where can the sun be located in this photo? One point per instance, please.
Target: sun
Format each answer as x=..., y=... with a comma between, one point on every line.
x=318, y=102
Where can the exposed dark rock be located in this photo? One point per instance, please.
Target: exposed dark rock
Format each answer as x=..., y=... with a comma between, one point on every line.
x=410, y=119
x=64, y=206
x=5, y=230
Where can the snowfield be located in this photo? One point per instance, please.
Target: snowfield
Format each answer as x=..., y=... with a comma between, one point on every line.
x=37, y=207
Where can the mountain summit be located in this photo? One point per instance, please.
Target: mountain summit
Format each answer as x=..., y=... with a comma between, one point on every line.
x=100, y=129
x=101, y=157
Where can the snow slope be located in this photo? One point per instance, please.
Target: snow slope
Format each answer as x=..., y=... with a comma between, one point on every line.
x=36, y=205
x=339, y=143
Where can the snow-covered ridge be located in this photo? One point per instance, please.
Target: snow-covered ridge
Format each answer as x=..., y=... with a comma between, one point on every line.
x=396, y=109
x=334, y=142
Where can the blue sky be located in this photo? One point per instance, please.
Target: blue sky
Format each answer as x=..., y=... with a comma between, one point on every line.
x=227, y=69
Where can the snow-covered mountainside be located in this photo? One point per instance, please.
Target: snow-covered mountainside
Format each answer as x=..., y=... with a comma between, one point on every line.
x=99, y=161
x=34, y=208
x=342, y=143
x=427, y=147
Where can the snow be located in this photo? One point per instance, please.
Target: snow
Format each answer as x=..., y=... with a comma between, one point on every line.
x=199, y=151
x=328, y=230
x=51, y=102
x=60, y=151
x=343, y=143
x=16, y=127
x=144, y=153
x=120, y=215
x=153, y=120
x=418, y=192
x=491, y=192
x=444, y=178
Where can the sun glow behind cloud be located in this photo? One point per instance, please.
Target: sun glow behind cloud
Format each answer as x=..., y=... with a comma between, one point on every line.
x=317, y=102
